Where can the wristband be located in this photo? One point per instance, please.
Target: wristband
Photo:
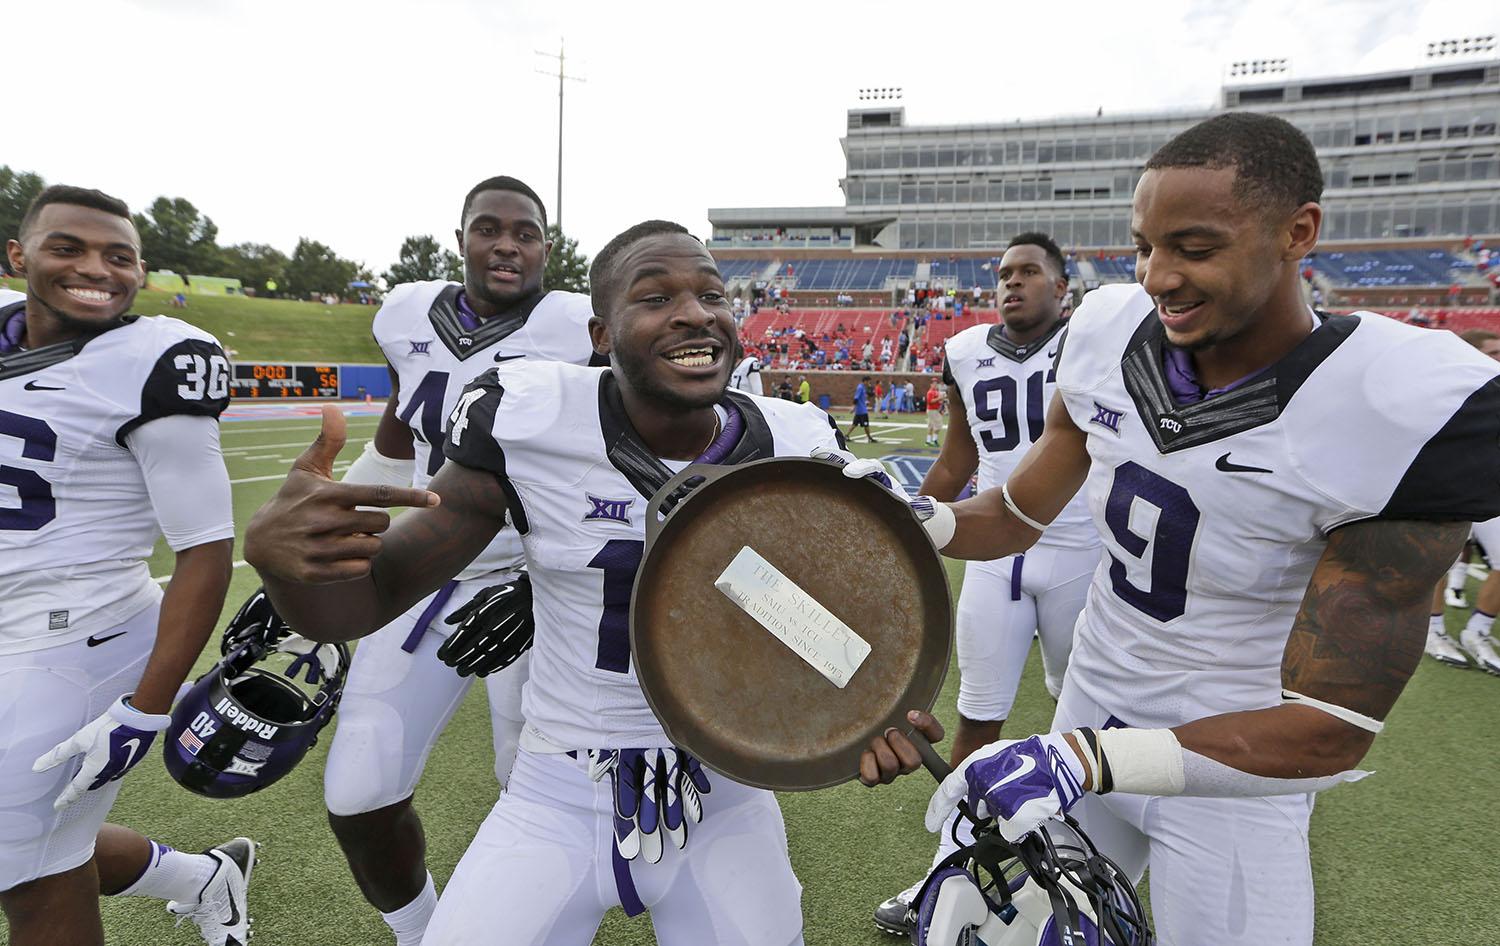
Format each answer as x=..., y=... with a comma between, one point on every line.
x=1011, y=505
x=1142, y=761
x=126, y=715
x=374, y=468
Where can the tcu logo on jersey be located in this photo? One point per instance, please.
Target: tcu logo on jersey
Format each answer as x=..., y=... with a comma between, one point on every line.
x=1169, y=424
x=242, y=720
x=617, y=510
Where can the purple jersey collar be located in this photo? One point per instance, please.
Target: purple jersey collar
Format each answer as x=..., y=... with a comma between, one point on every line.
x=728, y=438
x=13, y=331
x=1182, y=380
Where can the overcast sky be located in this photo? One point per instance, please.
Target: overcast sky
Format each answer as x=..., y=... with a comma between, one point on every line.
x=359, y=122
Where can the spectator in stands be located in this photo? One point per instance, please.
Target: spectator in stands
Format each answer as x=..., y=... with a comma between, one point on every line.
x=903, y=341
x=867, y=351
x=804, y=390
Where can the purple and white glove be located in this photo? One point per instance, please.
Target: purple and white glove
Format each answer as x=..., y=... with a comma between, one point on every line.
x=110, y=745
x=1019, y=782
x=656, y=792
x=935, y=517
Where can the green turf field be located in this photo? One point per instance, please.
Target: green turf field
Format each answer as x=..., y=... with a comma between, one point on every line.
x=1402, y=858
x=271, y=329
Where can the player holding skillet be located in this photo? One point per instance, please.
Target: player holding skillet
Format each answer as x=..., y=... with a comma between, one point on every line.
x=1277, y=493
x=109, y=437
x=437, y=336
x=1001, y=377
x=601, y=810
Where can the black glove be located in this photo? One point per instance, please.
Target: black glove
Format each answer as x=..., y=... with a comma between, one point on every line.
x=494, y=629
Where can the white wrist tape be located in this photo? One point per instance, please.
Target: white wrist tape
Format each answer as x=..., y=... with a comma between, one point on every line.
x=941, y=525
x=1367, y=723
x=1153, y=762
x=1142, y=761
x=1011, y=505
x=373, y=468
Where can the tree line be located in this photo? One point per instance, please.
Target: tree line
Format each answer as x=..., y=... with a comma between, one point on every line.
x=177, y=236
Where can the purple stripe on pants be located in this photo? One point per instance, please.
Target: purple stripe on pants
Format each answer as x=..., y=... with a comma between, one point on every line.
x=428, y=613
x=1015, y=577
x=630, y=900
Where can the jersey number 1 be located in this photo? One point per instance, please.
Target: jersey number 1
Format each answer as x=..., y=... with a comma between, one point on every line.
x=620, y=559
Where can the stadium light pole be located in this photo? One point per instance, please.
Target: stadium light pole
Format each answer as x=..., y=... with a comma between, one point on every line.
x=562, y=80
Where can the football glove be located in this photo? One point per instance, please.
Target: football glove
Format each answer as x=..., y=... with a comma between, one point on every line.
x=110, y=745
x=1019, y=782
x=936, y=518
x=494, y=629
x=656, y=792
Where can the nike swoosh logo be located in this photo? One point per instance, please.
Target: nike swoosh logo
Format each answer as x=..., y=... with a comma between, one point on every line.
x=95, y=641
x=1027, y=764
x=1224, y=466
x=33, y=386
x=1052, y=353
x=134, y=747
x=499, y=358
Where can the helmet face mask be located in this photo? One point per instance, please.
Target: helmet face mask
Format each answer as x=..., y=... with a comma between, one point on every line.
x=1051, y=888
x=247, y=722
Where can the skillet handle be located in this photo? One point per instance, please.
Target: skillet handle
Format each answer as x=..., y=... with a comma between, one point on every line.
x=940, y=770
x=655, y=521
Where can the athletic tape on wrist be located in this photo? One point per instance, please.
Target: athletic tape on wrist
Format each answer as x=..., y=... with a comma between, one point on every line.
x=940, y=522
x=373, y=468
x=1011, y=505
x=1142, y=761
x=1367, y=723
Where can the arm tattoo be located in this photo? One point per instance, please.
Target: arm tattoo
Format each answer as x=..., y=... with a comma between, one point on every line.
x=1359, y=633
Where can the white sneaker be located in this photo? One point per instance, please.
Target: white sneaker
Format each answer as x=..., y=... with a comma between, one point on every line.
x=1440, y=647
x=1455, y=598
x=221, y=909
x=1481, y=647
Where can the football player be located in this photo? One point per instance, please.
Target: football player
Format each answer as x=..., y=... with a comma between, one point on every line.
x=1277, y=493
x=746, y=376
x=437, y=337
x=1002, y=375
x=1474, y=639
x=600, y=810
x=109, y=437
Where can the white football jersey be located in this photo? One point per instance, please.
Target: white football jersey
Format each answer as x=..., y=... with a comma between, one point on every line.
x=76, y=521
x=419, y=329
x=1006, y=390
x=580, y=478
x=1213, y=514
x=746, y=376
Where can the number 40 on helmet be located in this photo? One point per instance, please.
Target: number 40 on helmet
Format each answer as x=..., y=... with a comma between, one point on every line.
x=251, y=718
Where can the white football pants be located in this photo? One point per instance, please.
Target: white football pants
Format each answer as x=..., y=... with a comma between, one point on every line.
x=542, y=872
x=396, y=705
x=46, y=696
x=1002, y=603
x=1226, y=871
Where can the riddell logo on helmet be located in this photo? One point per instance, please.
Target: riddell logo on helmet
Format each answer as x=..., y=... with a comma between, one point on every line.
x=242, y=720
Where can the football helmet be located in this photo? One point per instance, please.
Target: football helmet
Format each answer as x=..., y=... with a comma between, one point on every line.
x=1051, y=888
x=248, y=721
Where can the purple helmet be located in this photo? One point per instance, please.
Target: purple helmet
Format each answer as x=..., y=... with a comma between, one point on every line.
x=242, y=726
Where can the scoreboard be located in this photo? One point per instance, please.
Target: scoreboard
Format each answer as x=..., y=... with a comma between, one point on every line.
x=260, y=380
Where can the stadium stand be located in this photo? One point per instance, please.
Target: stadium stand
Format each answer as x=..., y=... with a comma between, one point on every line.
x=1392, y=268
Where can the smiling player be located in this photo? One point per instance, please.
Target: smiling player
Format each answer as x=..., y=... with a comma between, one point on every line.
x=109, y=437
x=601, y=810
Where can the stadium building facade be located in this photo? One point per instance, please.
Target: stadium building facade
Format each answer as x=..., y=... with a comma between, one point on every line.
x=1406, y=154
